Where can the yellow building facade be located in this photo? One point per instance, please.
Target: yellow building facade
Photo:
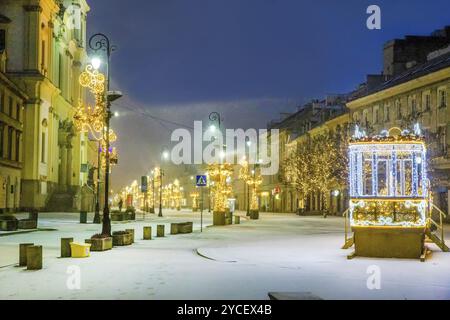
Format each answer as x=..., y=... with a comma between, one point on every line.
x=12, y=101
x=45, y=45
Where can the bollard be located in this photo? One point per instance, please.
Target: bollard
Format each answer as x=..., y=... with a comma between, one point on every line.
x=147, y=233
x=66, y=251
x=132, y=234
x=34, y=258
x=83, y=217
x=160, y=231
x=23, y=253
x=237, y=220
x=174, y=228
x=33, y=215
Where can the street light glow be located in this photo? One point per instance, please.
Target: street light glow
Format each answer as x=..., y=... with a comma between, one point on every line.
x=96, y=63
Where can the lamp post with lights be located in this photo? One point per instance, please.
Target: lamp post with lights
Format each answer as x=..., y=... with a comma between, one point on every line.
x=100, y=42
x=164, y=157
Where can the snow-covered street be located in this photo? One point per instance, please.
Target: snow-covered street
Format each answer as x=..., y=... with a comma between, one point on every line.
x=279, y=253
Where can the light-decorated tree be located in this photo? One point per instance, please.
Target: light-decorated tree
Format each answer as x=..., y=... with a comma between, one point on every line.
x=317, y=164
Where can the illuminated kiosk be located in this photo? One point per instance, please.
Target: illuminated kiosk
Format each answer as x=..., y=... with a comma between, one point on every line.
x=390, y=204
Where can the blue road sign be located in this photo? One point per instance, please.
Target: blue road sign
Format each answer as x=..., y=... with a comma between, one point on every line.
x=201, y=181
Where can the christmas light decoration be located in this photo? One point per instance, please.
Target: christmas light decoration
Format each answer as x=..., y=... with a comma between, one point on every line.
x=195, y=197
x=219, y=174
x=388, y=179
x=253, y=180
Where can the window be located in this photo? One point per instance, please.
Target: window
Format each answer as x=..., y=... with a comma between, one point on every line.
x=10, y=109
x=386, y=112
x=43, y=147
x=2, y=39
x=43, y=54
x=413, y=106
x=365, y=118
x=2, y=138
x=427, y=102
x=442, y=94
x=376, y=114
x=398, y=109
x=10, y=143
x=18, y=107
x=18, y=134
x=60, y=70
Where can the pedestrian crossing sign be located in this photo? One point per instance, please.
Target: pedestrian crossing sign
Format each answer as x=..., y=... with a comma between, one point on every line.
x=201, y=181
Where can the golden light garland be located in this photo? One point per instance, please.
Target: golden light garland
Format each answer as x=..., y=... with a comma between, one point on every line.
x=219, y=175
x=93, y=79
x=195, y=197
x=253, y=180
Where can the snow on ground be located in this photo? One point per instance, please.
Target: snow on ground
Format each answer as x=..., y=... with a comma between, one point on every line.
x=279, y=253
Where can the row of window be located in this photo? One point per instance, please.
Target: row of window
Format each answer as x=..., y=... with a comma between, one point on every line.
x=10, y=143
x=401, y=109
x=9, y=106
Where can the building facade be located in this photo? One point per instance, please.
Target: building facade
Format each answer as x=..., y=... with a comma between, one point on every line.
x=12, y=101
x=418, y=95
x=45, y=45
x=276, y=193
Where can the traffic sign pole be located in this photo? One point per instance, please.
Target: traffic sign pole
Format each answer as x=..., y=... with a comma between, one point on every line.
x=201, y=213
x=201, y=182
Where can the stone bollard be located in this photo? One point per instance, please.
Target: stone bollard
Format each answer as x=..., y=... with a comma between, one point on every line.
x=174, y=228
x=33, y=215
x=132, y=233
x=34, y=258
x=23, y=253
x=237, y=220
x=83, y=217
x=66, y=251
x=147, y=233
x=160, y=231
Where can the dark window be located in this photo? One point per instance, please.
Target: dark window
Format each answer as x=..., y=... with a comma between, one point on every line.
x=2, y=39
x=43, y=54
x=43, y=147
x=60, y=70
x=18, y=111
x=10, y=138
x=2, y=137
x=18, y=146
x=11, y=103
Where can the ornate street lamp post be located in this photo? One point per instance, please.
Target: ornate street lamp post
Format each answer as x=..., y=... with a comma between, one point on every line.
x=164, y=156
x=215, y=117
x=100, y=42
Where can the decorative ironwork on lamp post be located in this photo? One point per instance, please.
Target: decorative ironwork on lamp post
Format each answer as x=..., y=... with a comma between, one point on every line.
x=100, y=42
x=164, y=156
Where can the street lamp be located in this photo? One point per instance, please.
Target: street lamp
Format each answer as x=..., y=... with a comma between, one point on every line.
x=100, y=42
x=164, y=157
x=96, y=62
x=214, y=117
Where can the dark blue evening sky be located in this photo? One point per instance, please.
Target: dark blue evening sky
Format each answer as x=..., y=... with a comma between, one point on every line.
x=250, y=59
